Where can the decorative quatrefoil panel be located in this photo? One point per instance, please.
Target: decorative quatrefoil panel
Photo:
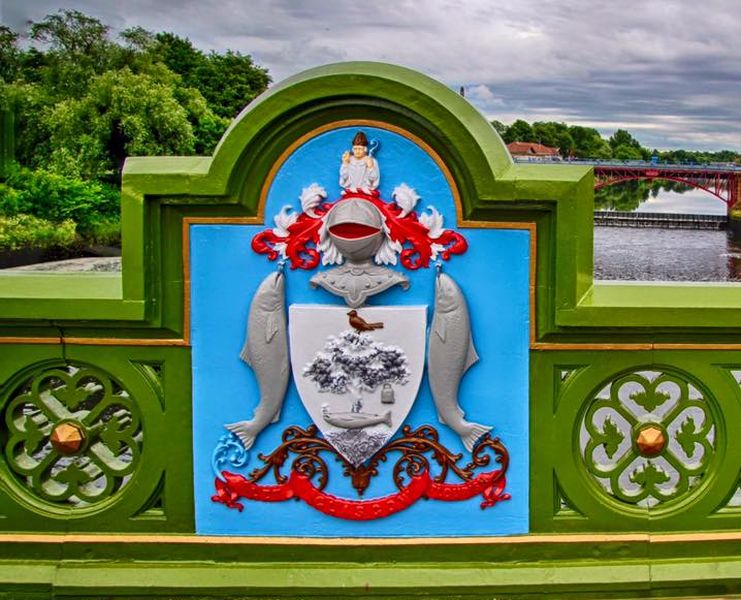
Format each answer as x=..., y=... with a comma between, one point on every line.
x=74, y=435
x=648, y=437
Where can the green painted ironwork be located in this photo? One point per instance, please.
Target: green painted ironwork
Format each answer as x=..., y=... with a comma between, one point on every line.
x=588, y=470
x=91, y=402
x=665, y=402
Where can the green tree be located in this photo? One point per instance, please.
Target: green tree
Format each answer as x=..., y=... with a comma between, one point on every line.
x=178, y=54
x=625, y=152
x=31, y=102
x=79, y=49
x=519, y=131
x=500, y=127
x=588, y=143
x=124, y=114
x=228, y=81
x=9, y=54
x=622, y=138
x=565, y=143
x=545, y=132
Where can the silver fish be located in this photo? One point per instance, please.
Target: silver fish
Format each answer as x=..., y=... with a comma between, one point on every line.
x=450, y=355
x=355, y=420
x=266, y=351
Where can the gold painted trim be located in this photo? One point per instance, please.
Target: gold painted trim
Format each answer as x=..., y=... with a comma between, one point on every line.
x=718, y=536
x=222, y=220
x=651, y=538
x=300, y=141
x=125, y=342
x=31, y=340
x=82, y=341
x=546, y=346
x=297, y=541
x=185, y=237
x=638, y=346
x=721, y=346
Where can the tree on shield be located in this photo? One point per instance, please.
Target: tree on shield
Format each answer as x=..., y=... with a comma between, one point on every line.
x=354, y=362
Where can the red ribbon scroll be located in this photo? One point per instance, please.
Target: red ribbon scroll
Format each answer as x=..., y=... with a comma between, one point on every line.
x=490, y=485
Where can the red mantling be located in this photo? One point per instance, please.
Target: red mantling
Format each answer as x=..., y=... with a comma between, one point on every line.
x=303, y=236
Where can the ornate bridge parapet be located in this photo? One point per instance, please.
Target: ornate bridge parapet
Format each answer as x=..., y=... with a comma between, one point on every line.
x=491, y=423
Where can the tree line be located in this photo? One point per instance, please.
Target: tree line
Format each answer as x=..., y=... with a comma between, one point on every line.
x=84, y=99
x=574, y=141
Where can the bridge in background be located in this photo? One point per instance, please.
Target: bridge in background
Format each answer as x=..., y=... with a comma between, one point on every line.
x=720, y=180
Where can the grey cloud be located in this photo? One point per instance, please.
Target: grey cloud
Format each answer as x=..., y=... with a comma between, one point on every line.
x=669, y=71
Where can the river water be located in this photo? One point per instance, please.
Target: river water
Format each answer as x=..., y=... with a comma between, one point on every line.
x=648, y=254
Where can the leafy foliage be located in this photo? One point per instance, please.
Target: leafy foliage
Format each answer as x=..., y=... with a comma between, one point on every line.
x=79, y=48
x=84, y=101
x=93, y=206
x=26, y=231
x=9, y=54
x=227, y=81
x=123, y=114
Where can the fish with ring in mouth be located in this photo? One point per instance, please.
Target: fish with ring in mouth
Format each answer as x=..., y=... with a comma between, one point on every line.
x=266, y=352
x=451, y=353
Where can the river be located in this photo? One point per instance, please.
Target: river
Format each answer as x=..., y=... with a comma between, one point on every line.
x=648, y=254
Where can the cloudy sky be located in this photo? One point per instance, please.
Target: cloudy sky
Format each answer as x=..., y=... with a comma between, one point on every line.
x=669, y=71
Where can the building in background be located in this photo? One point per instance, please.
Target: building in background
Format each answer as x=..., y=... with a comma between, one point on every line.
x=533, y=150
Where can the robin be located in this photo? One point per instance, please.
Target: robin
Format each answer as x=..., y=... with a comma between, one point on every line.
x=359, y=324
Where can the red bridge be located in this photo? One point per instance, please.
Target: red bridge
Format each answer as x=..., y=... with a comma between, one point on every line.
x=720, y=180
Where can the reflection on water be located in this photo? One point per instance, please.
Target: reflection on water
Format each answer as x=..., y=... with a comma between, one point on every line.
x=691, y=202
x=648, y=254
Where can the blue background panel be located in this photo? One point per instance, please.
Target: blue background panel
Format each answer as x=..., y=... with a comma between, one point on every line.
x=494, y=276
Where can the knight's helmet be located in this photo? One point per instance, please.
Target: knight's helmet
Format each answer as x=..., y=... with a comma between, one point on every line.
x=355, y=227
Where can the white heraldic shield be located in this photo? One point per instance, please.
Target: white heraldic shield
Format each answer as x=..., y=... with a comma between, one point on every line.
x=357, y=371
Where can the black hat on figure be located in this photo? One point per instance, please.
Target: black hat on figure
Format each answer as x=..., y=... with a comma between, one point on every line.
x=360, y=139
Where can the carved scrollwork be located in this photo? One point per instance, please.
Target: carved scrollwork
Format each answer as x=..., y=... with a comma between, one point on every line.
x=418, y=448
